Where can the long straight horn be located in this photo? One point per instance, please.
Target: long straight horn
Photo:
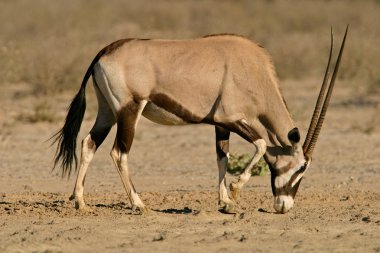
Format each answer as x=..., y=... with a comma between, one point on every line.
x=318, y=105
x=314, y=138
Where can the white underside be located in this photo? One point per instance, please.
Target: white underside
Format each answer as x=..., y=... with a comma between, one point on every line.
x=161, y=116
x=107, y=73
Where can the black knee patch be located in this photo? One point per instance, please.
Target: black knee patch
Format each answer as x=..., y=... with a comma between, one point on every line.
x=99, y=136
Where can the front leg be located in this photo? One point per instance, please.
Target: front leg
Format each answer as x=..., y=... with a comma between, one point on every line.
x=235, y=187
x=222, y=146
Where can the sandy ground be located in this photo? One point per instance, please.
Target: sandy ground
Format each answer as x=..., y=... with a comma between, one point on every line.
x=337, y=208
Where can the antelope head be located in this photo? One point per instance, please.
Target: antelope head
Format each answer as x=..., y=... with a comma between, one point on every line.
x=287, y=170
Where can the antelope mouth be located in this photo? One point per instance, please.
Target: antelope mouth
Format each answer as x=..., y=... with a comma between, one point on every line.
x=283, y=203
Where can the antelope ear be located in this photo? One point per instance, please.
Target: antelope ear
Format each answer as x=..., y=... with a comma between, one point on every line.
x=294, y=135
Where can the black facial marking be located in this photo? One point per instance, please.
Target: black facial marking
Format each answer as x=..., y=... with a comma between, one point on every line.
x=295, y=188
x=287, y=189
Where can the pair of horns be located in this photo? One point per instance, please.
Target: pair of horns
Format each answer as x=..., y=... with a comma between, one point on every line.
x=321, y=106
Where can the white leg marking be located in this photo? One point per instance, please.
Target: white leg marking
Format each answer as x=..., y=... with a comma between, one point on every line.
x=88, y=151
x=121, y=161
x=135, y=199
x=246, y=175
x=223, y=193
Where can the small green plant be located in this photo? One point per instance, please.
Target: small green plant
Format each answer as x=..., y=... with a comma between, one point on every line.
x=237, y=164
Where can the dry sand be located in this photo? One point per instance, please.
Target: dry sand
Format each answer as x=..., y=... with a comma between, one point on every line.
x=337, y=208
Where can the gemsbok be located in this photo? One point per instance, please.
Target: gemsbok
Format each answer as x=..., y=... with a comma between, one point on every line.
x=224, y=80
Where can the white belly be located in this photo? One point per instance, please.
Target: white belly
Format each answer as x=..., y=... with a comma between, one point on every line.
x=161, y=116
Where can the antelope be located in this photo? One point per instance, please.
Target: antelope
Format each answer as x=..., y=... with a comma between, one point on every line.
x=223, y=80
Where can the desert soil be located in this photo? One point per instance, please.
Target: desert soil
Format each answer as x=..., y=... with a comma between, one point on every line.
x=337, y=208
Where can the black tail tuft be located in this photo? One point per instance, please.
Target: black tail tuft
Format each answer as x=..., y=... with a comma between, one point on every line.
x=67, y=136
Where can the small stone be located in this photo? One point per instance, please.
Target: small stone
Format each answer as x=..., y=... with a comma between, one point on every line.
x=366, y=219
x=243, y=238
x=159, y=237
x=198, y=212
x=225, y=222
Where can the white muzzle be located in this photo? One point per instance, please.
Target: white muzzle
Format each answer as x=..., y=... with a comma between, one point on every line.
x=283, y=203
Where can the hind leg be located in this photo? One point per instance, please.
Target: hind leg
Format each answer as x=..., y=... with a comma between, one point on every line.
x=103, y=124
x=87, y=153
x=126, y=125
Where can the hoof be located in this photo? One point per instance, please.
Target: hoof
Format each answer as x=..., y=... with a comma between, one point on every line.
x=80, y=205
x=84, y=208
x=140, y=210
x=229, y=209
x=235, y=191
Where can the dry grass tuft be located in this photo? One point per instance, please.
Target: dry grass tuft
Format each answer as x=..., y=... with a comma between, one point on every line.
x=41, y=112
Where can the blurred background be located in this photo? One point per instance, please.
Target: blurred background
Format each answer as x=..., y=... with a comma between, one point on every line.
x=49, y=44
x=46, y=47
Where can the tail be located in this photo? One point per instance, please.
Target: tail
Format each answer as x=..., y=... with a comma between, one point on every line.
x=67, y=136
